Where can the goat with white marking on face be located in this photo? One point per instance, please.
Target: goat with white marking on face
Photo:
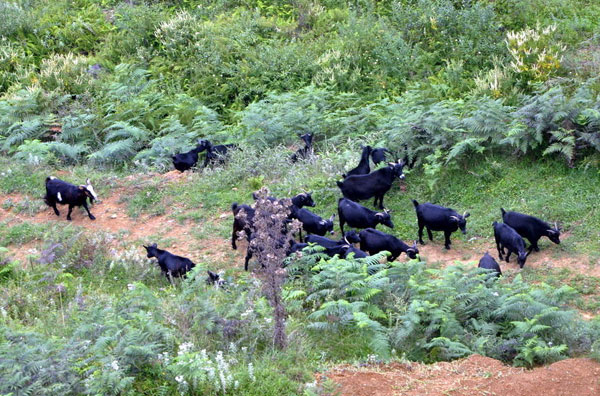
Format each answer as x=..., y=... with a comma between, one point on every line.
x=64, y=193
x=170, y=264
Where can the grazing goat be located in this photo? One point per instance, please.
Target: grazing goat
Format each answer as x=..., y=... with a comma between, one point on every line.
x=378, y=155
x=216, y=154
x=312, y=223
x=375, y=184
x=363, y=167
x=507, y=237
x=348, y=249
x=349, y=238
x=215, y=280
x=531, y=228
x=356, y=215
x=185, y=161
x=61, y=192
x=488, y=262
x=374, y=241
x=438, y=218
x=306, y=151
x=170, y=264
x=245, y=224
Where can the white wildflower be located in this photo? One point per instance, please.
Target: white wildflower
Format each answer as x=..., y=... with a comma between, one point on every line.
x=251, y=372
x=115, y=365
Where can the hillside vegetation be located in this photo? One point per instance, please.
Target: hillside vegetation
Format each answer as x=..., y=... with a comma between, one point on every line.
x=496, y=102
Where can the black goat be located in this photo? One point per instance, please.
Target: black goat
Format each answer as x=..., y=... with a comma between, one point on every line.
x=488, y=262
x=378, y=155
x=356, y=215
x=438, y=218
x=312, y=223
x=374, y=241
x=61, y=192
x=216, y=154
x=363, y=167
x=531, y=228
x=170, y=264
x=507, y=237
x=241, y=224
x=348, y=249
x=185, y=161
x=215, y=280
x=375, y=184
x=349, y=238
x=306, y=151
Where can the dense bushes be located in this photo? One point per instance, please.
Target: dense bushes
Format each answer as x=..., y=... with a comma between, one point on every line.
x=431, y=315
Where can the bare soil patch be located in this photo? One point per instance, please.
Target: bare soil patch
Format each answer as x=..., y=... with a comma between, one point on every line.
x=474, y=375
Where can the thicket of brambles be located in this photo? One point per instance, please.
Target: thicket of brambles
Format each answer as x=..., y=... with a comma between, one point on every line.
x=123, y=85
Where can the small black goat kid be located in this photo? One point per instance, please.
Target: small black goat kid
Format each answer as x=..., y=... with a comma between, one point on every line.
x=216, y=154
x=306, y=151
x=172, y=266
x=61, y=192
x=438, y=218
x=531, y=228
x=185, y=161
x=312, y=223
x=507, y=237
x=488, y=262
x=378, y=155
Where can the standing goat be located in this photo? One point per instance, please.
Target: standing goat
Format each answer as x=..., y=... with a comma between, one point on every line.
x=438, y=218
x=531, y=228
x=306, y=151
x=61, y=192
x=170, y=264
x=363, y=167
x=185, y=161
x=507, y=237
x=375, y=184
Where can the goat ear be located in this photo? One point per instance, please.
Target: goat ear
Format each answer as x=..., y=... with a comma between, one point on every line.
x=467, y=214
x=154, y=245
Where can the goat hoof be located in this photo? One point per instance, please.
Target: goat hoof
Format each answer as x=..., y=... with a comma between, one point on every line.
x=92, y=217
x=68, y=218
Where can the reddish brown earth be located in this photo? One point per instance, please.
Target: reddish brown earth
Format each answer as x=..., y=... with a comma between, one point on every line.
x=472, y=376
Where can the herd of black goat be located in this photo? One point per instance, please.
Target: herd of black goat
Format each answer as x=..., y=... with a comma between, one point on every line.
x=358, y=184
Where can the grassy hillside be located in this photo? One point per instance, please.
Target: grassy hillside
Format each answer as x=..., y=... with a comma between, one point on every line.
x=497, y=102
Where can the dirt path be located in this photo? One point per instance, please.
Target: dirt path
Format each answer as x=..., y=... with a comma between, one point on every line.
x=111, y=217
x=473, y=376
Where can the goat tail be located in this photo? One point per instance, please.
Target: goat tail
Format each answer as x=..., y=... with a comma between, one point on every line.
x=344, y=175
x=503, y=211
x=414, y=201
x=339, y=184
x=234, y=207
